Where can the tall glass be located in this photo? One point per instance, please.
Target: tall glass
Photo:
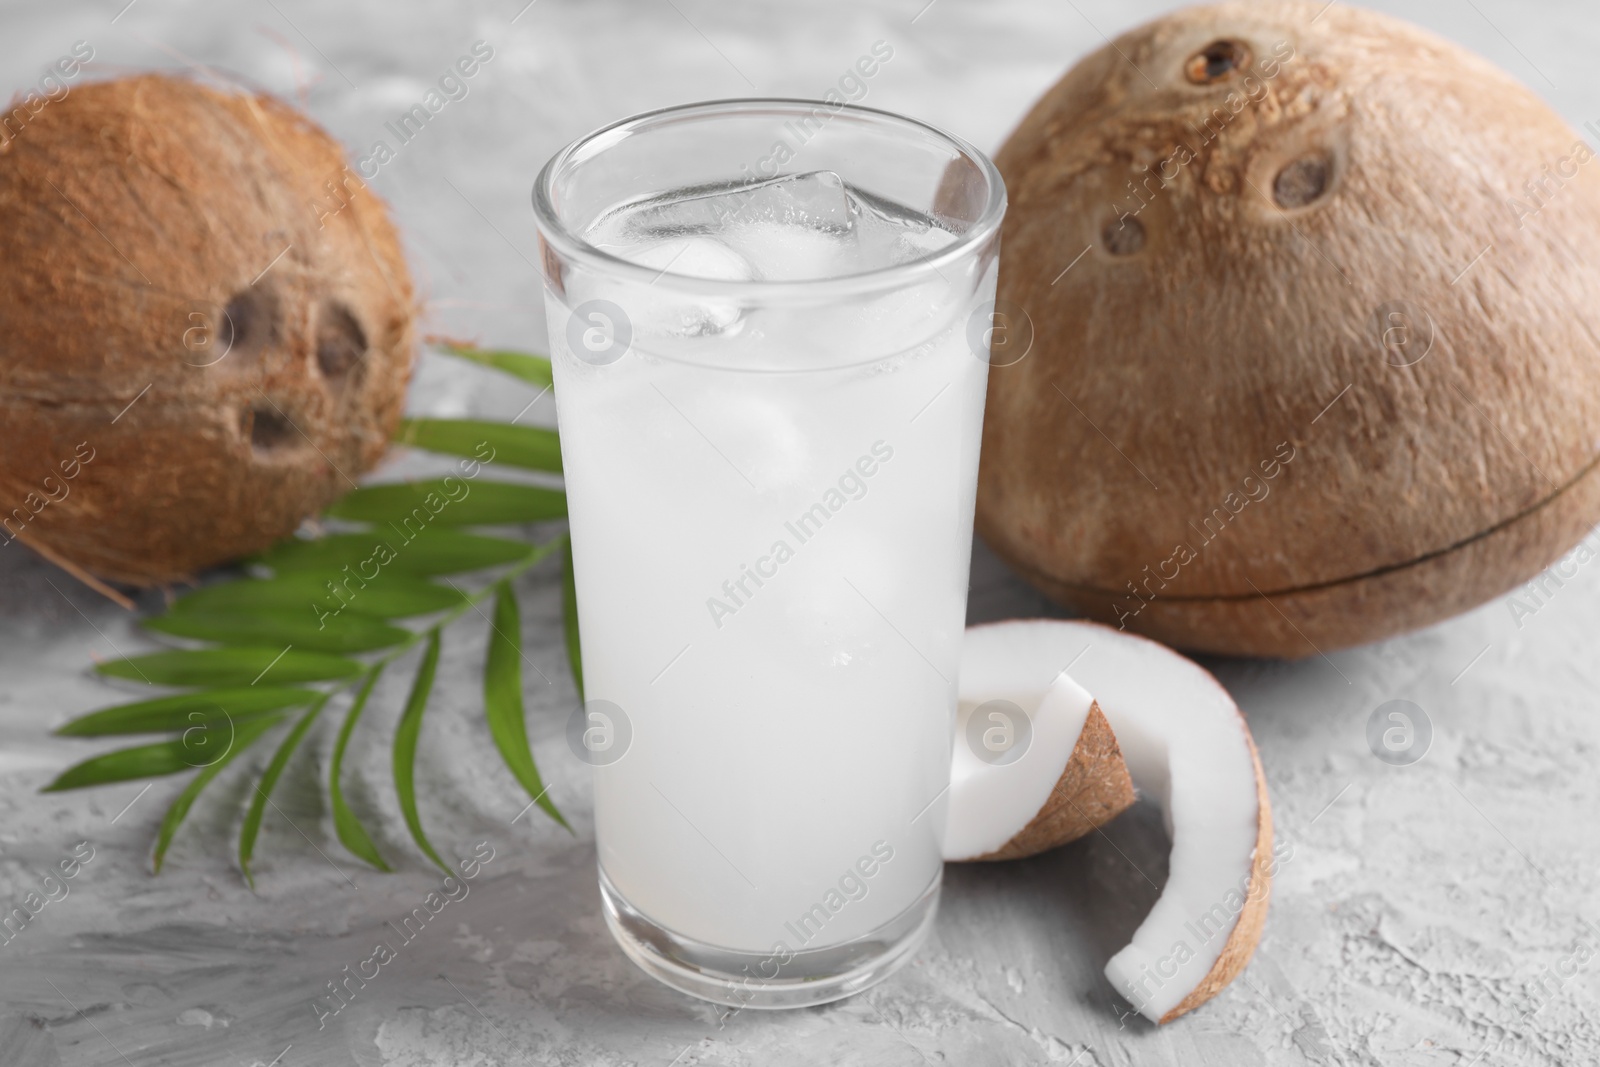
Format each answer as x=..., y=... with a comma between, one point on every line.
x=769, y=321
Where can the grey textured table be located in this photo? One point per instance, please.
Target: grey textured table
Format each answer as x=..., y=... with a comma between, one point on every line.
x=1425, y=916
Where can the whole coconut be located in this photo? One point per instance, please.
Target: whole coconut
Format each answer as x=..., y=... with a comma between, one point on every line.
x=205, y=327
x=1328, y=367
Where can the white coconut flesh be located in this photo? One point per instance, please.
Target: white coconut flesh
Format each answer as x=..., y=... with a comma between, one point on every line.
x=994, y=790
x=1186, y=747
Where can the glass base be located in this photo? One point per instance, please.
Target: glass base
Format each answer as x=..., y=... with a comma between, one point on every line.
x=740, y=979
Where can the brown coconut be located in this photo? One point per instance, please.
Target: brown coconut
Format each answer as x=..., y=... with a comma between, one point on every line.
x=1306, y=231
x=203, y=300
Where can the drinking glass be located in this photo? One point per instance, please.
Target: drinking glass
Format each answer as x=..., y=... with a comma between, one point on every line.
x=769, y=323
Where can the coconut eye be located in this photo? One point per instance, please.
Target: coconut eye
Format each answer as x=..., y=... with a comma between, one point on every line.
x=1217, y=61
x=1123, y=236
x=267, y=428
x=249, y=322
x=341, y=342
x=1302, y=181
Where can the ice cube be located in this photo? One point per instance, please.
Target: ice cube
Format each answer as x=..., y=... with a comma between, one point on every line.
x=787, y=228
x=816, y=200
x=818, y=226
x=699, y=257
x=653, y=308
x=790, y=228
x=887, y=233
x=785, y=252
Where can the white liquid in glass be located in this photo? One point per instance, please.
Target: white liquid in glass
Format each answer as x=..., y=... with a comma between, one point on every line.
x=771, y=514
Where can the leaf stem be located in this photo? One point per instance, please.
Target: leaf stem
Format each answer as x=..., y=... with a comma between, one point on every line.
x=472, y=600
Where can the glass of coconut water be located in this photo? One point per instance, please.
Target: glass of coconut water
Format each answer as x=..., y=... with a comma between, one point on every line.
x=770, y=325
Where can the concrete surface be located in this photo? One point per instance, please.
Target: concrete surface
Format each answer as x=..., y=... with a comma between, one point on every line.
x=1431, y=914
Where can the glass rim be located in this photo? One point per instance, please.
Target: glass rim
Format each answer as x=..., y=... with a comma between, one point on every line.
x=555, y=233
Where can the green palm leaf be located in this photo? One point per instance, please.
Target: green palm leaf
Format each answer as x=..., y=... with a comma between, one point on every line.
x=125, y=764
x=230, y=666
x=395, y=597
x=348, y=631
x=502, y=698
x=389, y=551
x=529, y=447
x=534, y=370
x=406, y=736
x=246, y=734
x=352, y=834
x=269, y=781
x=184, y=710
x=484, y=503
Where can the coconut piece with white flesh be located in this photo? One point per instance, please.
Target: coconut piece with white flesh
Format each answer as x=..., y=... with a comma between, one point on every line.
x=1034, y=764
x=1185, y=745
